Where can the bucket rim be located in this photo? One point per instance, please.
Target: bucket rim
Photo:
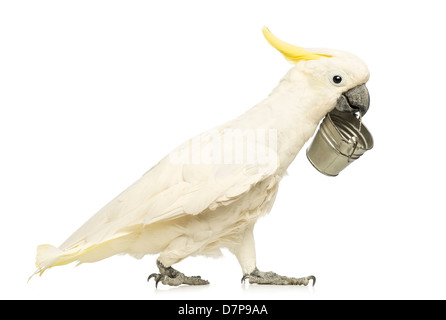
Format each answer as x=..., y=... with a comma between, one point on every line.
x=364, y=134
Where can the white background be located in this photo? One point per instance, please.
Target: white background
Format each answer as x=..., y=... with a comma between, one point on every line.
x=94, y=93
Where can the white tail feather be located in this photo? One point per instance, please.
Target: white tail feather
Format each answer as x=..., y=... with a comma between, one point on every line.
x=49, y=256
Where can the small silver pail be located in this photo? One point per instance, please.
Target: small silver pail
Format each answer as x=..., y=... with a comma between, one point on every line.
x=340, y=140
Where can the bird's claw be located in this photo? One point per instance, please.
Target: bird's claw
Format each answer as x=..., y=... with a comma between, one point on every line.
x=157, y=277
x=260, y=277
x=245, y=276
x=312, y=278
x=170, y=276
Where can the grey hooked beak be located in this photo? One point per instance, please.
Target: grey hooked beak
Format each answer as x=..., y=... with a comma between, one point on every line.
x=354, y=100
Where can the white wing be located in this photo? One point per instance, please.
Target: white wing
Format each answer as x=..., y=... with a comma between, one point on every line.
x=177, y=186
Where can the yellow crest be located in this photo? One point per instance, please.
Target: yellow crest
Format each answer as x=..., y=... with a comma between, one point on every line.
x=292, y=53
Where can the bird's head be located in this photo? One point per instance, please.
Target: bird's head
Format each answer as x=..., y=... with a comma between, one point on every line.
x=338, y=77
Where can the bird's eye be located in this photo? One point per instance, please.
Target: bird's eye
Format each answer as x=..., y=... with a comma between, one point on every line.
x=337, y=79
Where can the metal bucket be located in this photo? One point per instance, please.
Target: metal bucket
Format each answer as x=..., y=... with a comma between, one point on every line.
x=340, y=140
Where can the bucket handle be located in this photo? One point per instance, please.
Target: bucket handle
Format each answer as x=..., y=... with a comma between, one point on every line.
x=355, y=146
x=353, y=138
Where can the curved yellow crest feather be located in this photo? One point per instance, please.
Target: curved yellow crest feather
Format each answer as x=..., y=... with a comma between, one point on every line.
x=291, y=53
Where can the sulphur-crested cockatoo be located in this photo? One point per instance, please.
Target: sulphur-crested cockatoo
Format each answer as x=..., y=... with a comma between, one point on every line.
x=209, y=192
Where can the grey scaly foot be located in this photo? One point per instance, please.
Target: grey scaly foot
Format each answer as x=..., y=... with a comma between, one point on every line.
x=170, y=276
x=260, y=277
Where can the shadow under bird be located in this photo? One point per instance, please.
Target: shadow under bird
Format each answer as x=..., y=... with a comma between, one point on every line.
x=186, y=206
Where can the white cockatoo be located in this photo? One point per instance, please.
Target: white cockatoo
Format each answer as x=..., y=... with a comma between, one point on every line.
x=209, y=192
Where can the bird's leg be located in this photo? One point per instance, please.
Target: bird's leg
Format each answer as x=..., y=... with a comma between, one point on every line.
x=246, y=255
x=170, y=276
x=260, y=277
